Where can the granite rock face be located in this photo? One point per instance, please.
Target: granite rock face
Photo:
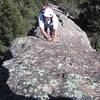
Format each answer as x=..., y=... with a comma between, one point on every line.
x=68, y=68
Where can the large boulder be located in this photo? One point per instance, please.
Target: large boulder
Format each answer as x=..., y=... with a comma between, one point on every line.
x=67, y=68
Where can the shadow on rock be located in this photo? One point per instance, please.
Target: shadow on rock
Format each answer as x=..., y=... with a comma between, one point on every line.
x=5, y=92
x=61, y=98
x=8, y=55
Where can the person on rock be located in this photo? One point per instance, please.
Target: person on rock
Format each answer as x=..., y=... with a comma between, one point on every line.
x=48, y=23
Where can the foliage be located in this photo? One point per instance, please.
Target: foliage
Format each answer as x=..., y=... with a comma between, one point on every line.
x=90, y=17
x=86, y=14
x=68, y=6
x=17, y=17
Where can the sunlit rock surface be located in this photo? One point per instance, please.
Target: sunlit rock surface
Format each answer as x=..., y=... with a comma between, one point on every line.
x=68, y=68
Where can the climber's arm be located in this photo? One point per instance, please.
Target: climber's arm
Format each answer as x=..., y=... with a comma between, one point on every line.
x=55, y=32
x=44, y=33
x=55, y=28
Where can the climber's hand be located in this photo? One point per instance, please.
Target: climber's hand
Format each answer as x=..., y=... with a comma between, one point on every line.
x=49, y=39
x=55, y=39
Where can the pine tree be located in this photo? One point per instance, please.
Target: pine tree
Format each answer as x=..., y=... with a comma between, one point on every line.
x=17, y=17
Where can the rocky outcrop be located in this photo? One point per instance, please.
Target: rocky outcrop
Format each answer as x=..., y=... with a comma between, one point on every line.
x=68, y=68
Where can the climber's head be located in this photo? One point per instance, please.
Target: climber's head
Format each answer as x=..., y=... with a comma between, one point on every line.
x=48, y=13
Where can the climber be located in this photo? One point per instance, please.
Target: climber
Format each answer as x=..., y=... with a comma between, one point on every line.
x=48, y=23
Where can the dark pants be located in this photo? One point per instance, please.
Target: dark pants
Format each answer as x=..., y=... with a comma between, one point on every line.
x=49, y=28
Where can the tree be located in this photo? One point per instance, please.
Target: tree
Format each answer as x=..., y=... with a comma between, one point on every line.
x=86, y=13
x=17, y=17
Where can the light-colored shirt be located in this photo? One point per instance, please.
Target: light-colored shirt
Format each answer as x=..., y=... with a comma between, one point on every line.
x=54, y=21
